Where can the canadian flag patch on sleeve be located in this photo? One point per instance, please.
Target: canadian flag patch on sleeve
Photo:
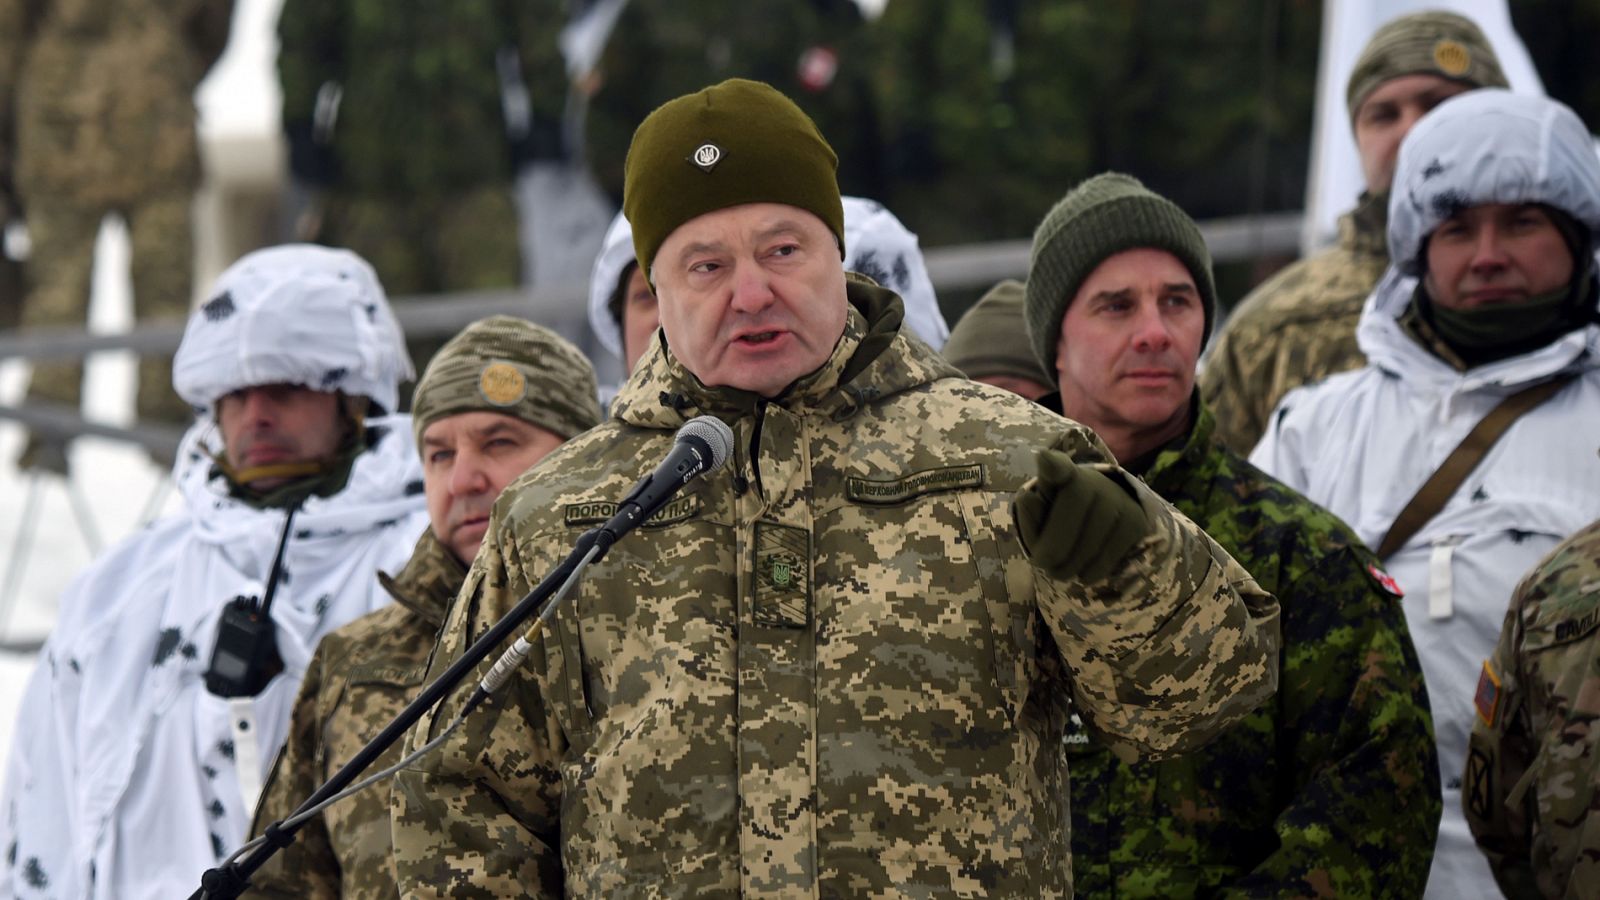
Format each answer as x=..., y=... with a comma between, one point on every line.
x=1385, y=580
x=1487, y=699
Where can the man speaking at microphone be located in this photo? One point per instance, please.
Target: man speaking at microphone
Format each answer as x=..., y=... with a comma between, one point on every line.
x=828, y=668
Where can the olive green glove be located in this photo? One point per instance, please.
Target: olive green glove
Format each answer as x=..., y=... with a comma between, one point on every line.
x=1076, y=521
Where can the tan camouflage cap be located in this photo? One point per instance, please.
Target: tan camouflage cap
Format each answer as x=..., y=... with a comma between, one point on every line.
x=508, y=365
x=1426, y=43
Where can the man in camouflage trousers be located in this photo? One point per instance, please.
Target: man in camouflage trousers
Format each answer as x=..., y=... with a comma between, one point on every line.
x=829, y=668
x=494, y=401
x=1300, y=325
x=97, y=114
x=1332, y=789
x=1530, y=793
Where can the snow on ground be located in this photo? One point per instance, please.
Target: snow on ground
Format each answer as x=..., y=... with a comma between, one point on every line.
x=117, y=483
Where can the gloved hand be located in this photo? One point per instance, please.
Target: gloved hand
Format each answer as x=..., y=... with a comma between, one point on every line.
x=1076, y=521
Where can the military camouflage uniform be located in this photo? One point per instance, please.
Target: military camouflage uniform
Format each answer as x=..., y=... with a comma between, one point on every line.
x=1532, y=763
x=1297, y=327
x=416, y=164
x=103, y=111
x=827, y=671
x=811, y=50
x=1330, y=791
x=360, y=678
x=992, y=111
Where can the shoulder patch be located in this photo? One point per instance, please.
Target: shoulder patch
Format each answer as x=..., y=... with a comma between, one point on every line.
x=1487, y=698
x=899, y=490
x=1385, y=581
x=596, y=512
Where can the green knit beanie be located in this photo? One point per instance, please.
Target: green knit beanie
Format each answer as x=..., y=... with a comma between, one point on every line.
x=733, y=143
x=1098, y=219
x=991, y=338
x=506, y=365
x=1426, y=43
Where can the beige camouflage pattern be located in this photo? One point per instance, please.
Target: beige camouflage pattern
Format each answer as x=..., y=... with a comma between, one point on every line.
x=1297, y=327
x=1534, y=756
x=828, y=669
x=101, y=106
x=360, y=678
x=510, y=366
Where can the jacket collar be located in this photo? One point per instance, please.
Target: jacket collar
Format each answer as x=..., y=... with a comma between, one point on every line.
x=873, y=358
x=1364, y=231
x=430, y=580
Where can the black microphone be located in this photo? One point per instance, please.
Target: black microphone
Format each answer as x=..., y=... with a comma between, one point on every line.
x=702, y=445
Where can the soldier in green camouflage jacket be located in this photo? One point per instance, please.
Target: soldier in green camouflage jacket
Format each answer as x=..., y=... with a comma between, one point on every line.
x=829, y=668
x=495, y=400
x=1332, y=789
x=1300, y=325
x=1533, y=763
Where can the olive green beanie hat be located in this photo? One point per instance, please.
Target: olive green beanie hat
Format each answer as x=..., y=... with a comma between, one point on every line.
x=507, y=365
x=1426, y=43
x=1100, y=218
x=733, y=143
x=991, y=338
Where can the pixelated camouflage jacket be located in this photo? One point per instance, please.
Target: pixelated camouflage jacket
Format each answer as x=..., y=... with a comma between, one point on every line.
x=420, y=106
x=1331, y=790
x=1532, y=761
x=361, y=676
x=97, y=84
x=1297, y=327
x=826, y=670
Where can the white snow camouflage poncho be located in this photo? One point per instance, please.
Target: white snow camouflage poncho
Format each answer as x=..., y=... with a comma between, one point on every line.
x=1362, y=443
x=122, y=780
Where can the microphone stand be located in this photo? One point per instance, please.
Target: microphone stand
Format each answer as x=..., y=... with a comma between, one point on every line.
x=230, y=879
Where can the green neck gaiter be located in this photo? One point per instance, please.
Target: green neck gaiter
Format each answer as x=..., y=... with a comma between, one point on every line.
x=1499, y=331
x=331, y=480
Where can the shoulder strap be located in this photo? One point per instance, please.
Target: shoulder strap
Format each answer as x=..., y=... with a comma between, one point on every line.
x=1443, y=484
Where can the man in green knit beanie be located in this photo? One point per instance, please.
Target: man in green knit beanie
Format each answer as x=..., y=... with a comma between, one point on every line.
x=1331, y=788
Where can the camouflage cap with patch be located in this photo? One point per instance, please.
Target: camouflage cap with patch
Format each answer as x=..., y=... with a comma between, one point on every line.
x=508, y=365
x=1426, y=43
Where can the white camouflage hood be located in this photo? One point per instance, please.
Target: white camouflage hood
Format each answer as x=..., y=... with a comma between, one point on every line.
x=295, y=314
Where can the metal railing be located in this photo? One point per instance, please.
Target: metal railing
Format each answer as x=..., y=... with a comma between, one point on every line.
x=564, y=307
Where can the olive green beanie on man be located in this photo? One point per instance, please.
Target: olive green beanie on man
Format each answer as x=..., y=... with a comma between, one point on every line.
x=1101, y=217
x=1426, y=43
x=992, y=340
x=733, y=143
x=507, y=365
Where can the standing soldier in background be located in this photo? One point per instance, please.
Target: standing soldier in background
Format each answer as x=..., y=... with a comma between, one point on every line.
x=1300, y=325
x=811, y=50
x=1332, y=788
x=1532, y=761
x=496, y=398
x=992, y=109
x=408, y=122
x=97, y=112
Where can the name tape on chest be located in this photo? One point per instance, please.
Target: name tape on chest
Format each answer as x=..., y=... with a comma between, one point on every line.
x=899, y=490
x=596, y=512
